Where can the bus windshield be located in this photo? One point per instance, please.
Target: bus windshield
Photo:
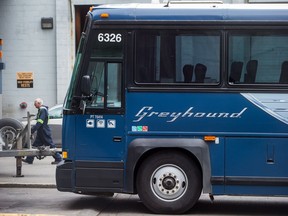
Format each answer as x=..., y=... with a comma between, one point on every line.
x=78, y=62
x=71, y=89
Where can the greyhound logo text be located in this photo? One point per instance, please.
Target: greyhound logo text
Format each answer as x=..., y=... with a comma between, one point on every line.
x=148, y=112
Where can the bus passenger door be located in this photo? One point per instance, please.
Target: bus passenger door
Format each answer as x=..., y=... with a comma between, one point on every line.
x=100, y=131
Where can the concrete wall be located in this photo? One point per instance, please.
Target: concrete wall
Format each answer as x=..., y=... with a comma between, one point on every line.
x=27, y=48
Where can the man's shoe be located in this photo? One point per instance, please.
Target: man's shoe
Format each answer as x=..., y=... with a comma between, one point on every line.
x=55, y=162
x=25, y=161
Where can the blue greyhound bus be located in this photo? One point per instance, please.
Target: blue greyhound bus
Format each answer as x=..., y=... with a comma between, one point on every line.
x=172, y=100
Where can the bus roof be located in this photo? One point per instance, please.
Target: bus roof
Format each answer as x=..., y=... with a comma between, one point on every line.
x=189, y=11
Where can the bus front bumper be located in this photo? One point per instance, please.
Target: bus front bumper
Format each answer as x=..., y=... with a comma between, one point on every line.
x=64, y=176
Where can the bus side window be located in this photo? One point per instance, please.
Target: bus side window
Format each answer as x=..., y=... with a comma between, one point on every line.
x=96, y=72
x=114, y=93
x=162, y=57
x=263, y=53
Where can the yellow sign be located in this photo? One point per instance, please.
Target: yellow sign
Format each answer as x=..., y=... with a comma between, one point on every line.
x=24, y=75
x=24, y=79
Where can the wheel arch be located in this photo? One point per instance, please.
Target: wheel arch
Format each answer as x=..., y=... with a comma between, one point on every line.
x=141, y=148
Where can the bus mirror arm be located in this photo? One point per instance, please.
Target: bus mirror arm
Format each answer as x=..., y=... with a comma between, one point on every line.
x=82, y=101
x=85, y=93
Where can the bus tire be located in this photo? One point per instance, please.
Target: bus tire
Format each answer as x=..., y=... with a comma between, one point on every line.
x=8, y=131
x=169, y=182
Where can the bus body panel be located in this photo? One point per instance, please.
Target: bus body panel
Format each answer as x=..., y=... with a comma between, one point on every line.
x=234, y=124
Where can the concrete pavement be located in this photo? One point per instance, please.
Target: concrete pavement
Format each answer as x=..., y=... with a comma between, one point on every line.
x=40, y=174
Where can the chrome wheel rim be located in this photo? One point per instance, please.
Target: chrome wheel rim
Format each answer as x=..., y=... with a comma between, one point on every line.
x=169, y=182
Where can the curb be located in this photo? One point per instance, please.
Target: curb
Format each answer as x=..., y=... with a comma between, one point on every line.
x=26, y=185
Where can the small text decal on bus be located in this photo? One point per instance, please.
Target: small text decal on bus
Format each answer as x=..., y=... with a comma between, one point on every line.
x=147, y=111
x=109, y=38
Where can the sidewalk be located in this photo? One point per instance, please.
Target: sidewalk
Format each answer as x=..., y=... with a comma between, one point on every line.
x=40, y=174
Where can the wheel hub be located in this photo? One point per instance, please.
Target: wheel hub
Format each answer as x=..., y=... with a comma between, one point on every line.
x=169, y=182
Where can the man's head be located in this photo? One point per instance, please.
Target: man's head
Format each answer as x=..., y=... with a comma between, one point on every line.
x=38, y=103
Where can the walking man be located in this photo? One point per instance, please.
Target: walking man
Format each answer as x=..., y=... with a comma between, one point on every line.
x=43, y=136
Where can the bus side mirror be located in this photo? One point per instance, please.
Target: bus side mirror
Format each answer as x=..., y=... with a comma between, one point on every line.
x=86, y=85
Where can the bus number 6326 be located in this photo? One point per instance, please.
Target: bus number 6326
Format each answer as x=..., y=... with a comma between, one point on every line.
x=109, y=37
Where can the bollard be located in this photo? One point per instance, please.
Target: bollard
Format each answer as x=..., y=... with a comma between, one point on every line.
x=29, y=117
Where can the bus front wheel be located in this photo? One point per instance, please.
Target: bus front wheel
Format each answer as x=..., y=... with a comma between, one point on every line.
x=169, y=182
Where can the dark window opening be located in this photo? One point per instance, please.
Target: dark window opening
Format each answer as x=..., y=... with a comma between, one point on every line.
x=170, y=57
x=258, y=58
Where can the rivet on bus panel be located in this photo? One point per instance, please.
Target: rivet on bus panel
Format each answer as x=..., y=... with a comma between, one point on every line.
x=104, y=15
